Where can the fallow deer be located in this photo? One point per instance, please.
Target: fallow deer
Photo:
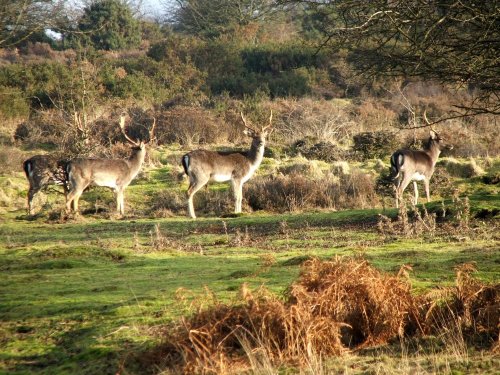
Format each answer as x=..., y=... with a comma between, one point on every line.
x=202, y=166
x=44, y=170
x=410, y=165
x=113, y=173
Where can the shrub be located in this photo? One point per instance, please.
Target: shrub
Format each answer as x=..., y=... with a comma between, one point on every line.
x=306, y=168
x=372, y=145
x=11, y=159
x=166, y=202
x=461, y=169
x=325, y=151
x=12, y=103
x=188, y=126
x=314, y=121
x=296, y=192
x=37, y=131
x=288, y=193
x=332, y=306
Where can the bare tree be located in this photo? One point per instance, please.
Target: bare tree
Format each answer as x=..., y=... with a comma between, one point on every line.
x=19, y=19
x=454, y=42
x=211, y=18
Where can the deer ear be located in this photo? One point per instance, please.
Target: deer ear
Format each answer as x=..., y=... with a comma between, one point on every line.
x=248, y=132
x=433, y=134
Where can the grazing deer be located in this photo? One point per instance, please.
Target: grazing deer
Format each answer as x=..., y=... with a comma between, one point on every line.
x=410, y=165
x=202, y=166
x=113, y=173
x=44, y=170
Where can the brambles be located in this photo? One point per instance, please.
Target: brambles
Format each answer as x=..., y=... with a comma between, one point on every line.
x=408, y=224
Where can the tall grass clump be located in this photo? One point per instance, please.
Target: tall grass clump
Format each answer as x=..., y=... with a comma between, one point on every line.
x=333, y=306
x=298, y=192
x=469, y=310
x=461, y=169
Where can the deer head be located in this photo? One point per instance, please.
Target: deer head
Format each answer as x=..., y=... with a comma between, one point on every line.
x=260, y=134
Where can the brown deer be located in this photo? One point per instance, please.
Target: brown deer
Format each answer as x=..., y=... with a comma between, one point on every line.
x=202, y=166
x=42, y=171
x=410, y=165
x=113, y=173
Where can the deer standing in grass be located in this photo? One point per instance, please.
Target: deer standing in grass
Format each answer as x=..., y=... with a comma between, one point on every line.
x=410, y=165
x=41, y=171
x=113, y=173
x=202, y=166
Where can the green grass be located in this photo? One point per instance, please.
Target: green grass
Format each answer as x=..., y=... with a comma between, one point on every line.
x=86, y=295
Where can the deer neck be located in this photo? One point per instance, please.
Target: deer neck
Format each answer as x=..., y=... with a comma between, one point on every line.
x=433, y=151
x=256, y=153
x=137, y=159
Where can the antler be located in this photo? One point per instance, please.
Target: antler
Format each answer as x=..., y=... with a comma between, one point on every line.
x=122, y=127
x=428, y=122
x=245, y=122
x=152, y=131
x=270, y=122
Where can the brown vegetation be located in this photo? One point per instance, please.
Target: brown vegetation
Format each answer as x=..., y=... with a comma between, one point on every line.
x=334, y=306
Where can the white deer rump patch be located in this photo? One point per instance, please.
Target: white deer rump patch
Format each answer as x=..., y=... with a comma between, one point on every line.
x=220, y=177
x=417, y=176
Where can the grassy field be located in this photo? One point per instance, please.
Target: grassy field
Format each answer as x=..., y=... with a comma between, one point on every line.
x=89, y=294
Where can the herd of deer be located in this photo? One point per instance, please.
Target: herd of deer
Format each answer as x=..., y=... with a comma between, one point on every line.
x=201, y=166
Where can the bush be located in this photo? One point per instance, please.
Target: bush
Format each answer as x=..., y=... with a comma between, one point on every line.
x=296, y=192
x=188, y=126
x=332, y=306
x=325, y=151
x=289, y=193
x=166, y=203
x=12, y=103
x=461, y=169
x=373, y=145
x=11, y=159
x=314, y=121
x=304, y=167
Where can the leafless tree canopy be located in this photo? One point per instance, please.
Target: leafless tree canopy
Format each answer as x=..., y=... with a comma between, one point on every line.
x=19, y=19
x=451, y=41
x=211, y=18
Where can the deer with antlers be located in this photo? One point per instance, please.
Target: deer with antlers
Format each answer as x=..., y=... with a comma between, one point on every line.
x=113, y=173
x=202, y=166
x=411, y=165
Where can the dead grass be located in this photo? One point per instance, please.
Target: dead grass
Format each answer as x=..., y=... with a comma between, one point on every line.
x=297, y=192
x=461, y=169
x=471, y=305
x=334, y=306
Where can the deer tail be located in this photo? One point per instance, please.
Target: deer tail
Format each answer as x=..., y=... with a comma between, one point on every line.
x=185, y=163
x=397, y=160
x=28, y=168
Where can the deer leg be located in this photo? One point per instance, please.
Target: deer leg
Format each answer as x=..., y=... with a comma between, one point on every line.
x=401, y=187
x=69, y=200
x=427, y=192
x=415, y=187
x=120, y=202
x=73, y=197
x=398, y=182
x=31, y=195
x=238, y=195
x=194, y=186
x=75, y=201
